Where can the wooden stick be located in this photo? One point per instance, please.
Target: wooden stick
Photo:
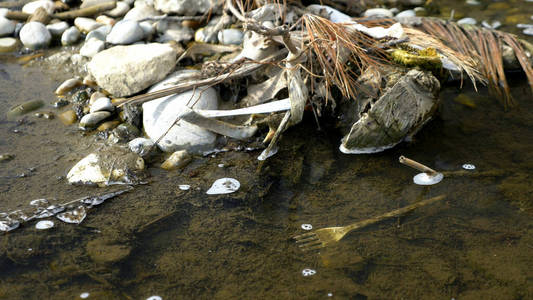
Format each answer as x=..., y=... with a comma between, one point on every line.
x=87, y=11
x=40, y=15
x=416, y=165
x=17, y=15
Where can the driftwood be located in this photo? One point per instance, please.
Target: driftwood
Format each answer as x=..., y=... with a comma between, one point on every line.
x=72, y=14
x=247, y=68
x=86, y=12
x=40, y=15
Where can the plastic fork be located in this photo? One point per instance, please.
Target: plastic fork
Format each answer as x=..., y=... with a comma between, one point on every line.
x=325, y=236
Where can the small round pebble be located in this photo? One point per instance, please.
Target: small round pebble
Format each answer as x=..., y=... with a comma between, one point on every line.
x=467, y=21
x=58, y=28
x=7, y=27
x=125, y=32
x=70, y=36
x=230, y=36
x=84, y=295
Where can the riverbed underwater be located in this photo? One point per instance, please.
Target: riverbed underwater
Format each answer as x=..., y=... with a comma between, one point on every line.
x=158, y=239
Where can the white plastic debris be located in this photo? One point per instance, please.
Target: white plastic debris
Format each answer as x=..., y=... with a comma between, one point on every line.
x=308, y=272
x=425, y=179
x=224, y=186
x=49, y=211
x=38, y=202
x=469, y=167
x=266, y=154
x=307, y=226
x=46, y=224
x=74, y=216
x=184, y=187
x=84, y=295
x=8, y=225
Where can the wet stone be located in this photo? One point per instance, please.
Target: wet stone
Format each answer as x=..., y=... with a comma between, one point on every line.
x=68, y=117
x=93, y=119
x=92, y=47
x=99, y=33
x=102, y=104
x=141, y=146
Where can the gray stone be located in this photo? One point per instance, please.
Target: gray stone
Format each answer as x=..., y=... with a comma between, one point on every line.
x=8, y=44
x=86, y=24
x=230, y=36
x=400, y=112
x=142, y=10
x=92, y=47
x=141, y=146
x=99, y=33
x=185, y=7
x=375, y=12
x=93, y=119
x=125, y=32
x=102, y=104
x=7, y=27
x=70, y=36
x=34, y=35
x=58, y=28
x=30, y=8
x=160, y=114
x=119, y=11
x=125, y=70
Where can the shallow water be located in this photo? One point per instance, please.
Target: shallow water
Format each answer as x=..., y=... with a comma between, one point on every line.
x=161, y=240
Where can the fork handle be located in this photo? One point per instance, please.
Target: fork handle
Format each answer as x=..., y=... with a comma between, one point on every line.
x=416, y=165
x=393, y=213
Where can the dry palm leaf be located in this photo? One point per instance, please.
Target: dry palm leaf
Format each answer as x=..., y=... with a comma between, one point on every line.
x=340, y=52
x=484, y=46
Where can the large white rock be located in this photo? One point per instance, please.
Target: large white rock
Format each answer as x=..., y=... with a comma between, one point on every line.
x=185, y=7
x=125, y=32
x=125, y=70
x=7, y=27
x=32, y=6
x=160, y=114
x=34, y=35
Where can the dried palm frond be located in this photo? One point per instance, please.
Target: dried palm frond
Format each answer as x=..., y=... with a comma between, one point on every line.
x=485, y=46
x=340, y=52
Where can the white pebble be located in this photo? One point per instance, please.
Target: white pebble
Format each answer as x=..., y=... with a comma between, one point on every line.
x=86, y=24
x=230, y=36
x=34, y=35
x=7, y=27
x=467, y=21
x=125, y=32
x=308, y=272
x=102, y=104
x=307, y=226
x=155, y=297
x=92, y=119
x=30, y=7
x=58, y=28
x=184, y=187
x=70, y=36
x=84, y=295
x=382, y=12
x=8, y=44
x=120, y=10
x=67, y=86
x=406, y=14
x=92, y=47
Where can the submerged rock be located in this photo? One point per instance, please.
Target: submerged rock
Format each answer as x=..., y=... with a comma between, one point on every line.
x=160, y=114
x=401, y=111
x=114, y=165
x=125, y=70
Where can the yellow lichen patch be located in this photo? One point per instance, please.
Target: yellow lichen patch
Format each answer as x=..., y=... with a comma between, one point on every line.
x=425, y=58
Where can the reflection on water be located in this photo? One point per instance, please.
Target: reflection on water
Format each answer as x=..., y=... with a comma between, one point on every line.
x=162, y=239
